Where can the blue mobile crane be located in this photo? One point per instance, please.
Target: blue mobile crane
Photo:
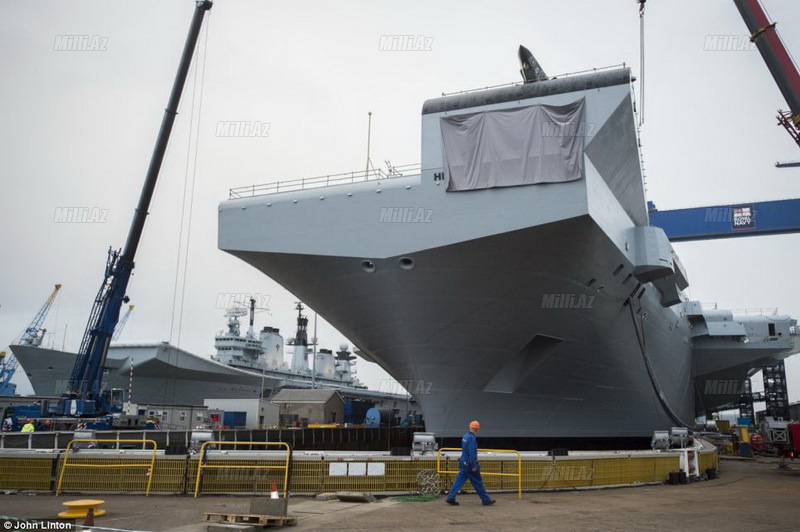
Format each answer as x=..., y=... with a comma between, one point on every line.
x=85, y=396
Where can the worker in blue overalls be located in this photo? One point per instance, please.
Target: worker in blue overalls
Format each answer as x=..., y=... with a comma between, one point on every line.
x=468, y=468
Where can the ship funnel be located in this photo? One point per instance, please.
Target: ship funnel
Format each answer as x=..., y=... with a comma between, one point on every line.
x=531, y=70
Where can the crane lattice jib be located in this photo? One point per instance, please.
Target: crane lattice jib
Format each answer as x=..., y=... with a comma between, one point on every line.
x=32, y=331
x=121, y=325
x=8, y=365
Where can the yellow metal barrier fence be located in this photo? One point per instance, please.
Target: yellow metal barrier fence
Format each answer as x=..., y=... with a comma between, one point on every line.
x=311, y=474
x=26, y=473
x=150, y=465
x=202, y=465
x=518, y=474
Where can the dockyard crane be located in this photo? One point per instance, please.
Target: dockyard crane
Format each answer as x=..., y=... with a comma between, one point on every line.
x=85, y=396
x=777, y=59
x=34, y=333
x=121, y=325
x=752, y=218
x=8, y=366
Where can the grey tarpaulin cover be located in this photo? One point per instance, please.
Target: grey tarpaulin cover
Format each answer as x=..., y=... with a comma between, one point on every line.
x=505, y=148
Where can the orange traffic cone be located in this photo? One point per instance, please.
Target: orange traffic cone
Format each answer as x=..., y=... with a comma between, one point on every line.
x=273, y=493
x=89, y=519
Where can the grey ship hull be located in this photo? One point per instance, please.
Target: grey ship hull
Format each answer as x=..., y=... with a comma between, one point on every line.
x=463, y=344
x=165, y=374
x=162, y=374
x=545, y=311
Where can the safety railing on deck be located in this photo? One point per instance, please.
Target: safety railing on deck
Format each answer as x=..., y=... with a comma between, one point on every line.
x=150, y=471
x=768, y=311
x=323, y=181
x=201, y=462
x=763, y=311
x=518, y=474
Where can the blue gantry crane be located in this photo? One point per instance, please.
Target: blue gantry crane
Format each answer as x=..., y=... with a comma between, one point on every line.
x=728, y=221
x=755, y=218
x=731, y=221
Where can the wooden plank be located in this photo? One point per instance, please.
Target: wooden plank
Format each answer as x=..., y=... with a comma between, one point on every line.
x=251, y=519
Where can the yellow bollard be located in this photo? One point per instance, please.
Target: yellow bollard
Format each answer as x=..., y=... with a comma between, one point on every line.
x=80, y=508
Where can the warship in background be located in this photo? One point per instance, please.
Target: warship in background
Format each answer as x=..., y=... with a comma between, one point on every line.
x=264, y=354
x=245, y=366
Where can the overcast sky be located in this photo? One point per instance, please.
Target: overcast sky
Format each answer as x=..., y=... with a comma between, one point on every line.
x=77, y=129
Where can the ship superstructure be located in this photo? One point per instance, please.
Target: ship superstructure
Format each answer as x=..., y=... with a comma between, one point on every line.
x=309, y=366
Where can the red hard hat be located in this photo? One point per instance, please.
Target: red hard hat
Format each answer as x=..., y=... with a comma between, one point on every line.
x=474, y=425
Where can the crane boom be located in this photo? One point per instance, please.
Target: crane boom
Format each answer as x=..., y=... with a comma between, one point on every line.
x=31, y=335
x=122, y=322
x=84, y=389
x=777, y=58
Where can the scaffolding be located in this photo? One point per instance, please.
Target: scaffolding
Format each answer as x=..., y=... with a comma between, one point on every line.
x=776, y=393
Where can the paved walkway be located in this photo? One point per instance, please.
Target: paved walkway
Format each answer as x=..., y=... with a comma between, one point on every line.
x=748, y=496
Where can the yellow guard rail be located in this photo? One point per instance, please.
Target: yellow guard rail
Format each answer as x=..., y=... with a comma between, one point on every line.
x=518, y=474
x=201, y=465
x=150, y=466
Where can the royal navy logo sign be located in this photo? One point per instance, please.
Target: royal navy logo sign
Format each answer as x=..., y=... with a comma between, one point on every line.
x=743, y=217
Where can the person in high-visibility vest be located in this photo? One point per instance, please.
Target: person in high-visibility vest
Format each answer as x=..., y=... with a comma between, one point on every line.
x=28, y=427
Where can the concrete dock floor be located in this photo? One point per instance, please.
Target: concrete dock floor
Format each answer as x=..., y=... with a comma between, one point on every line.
x=751, y=496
